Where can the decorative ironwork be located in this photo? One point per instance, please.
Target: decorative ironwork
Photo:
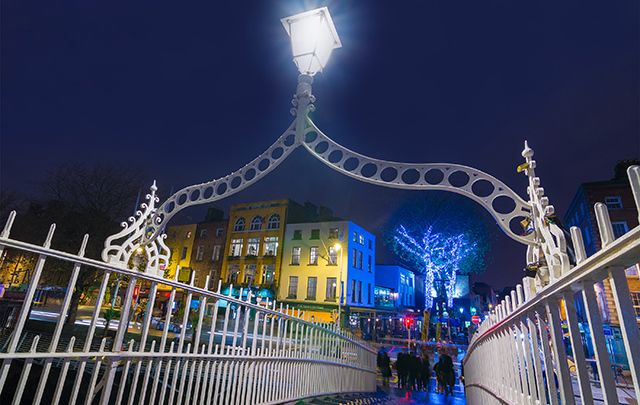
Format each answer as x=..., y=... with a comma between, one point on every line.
x=129, y=244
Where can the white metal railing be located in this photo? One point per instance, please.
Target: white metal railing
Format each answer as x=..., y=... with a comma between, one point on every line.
x=518, y=355
x=240, y=351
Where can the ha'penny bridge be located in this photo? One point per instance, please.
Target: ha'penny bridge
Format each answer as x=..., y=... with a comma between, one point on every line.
x=248, y=350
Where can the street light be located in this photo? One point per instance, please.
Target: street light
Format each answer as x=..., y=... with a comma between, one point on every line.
x=313, y=37
x=337, y=248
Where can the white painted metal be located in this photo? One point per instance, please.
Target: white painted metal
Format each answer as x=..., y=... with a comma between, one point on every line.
x=550, y=379
x=255, y=354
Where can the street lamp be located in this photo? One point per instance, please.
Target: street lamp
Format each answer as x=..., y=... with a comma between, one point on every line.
x=337, y=248
x=313, y=38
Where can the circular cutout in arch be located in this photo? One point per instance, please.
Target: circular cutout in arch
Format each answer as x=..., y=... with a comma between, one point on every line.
x=503, y=204
x=410, y=176
x=250, y=174
x=335, y=156
x=235, y=182
x=222, y=188
x=459, y=179
x=182, y=198
x=289, y=140
x=482, y=188
x=369, y=170
x=516, y=225
x=264, y=165
x=321, y=147
x=310, y=137
x=170, y=207
x=208, y=192
x=351, y=164
x=389, y=174
x=195, y=194
x=277, y=152
x=434, y=176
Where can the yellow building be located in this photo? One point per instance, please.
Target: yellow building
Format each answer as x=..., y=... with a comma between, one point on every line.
x=180, y=240
x=253, y=249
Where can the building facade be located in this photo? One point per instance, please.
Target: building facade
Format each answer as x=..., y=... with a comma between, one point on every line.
x=180, y=240
x=617, y=196
x=253, y=245
x=321, y=260
x=395, y=287
x=208, y=250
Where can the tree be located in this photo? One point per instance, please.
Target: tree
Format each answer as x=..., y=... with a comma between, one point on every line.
x=440, y=235
x=80, y=200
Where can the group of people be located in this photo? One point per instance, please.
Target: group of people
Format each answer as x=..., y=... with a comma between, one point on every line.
x=414, y=372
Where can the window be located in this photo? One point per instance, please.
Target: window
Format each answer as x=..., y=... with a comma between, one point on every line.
x=360, y=260
x=219, y=232
x=234, y=271
x=315, y=234
x=312, y=283
x=249, y=273
x=619, y=228
x=313, y=255
x=295, y=255
x=359, y=292
x=355, y=236
x=361, y=239
x=203, y=233
x=331, y=288
x=613, y=203
x=354, y=262
x=635, y=298
x=188, y=236
x=274, y=222
x=333, y=233
x=268, y=273
x=256, y=223
x=184, y=253
x=293, y=287
x=297, y=235
x=253, y=244
x=369, y=293
x=239, y=225
x=369, y=263
x=216, y=253
x=353, y=290
x=333, y=256
x=199, y=253
x=270, y=246
x=236, y=248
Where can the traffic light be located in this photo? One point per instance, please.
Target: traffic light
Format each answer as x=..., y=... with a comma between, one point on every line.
x=408, y=322
x=136, y=291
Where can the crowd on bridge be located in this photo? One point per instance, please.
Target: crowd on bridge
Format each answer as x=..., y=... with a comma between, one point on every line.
x=414, y=370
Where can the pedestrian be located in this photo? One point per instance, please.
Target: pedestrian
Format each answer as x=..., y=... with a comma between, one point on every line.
x=384, y=365
x=445, y=373
x=414, y=371
x=425, y=373
x=401, y=368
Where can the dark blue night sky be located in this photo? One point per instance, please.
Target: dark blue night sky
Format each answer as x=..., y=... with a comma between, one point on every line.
x=185, y=92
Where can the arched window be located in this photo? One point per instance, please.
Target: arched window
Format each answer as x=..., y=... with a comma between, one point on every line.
x=239, y=225
x=274, y=222
x=256, y=223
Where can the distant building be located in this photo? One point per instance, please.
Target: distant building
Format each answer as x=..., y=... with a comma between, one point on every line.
x=180, y=240
x=616, y=194
x=253, y=247
x=311, y=267
x=395, y=287
x=208, y=248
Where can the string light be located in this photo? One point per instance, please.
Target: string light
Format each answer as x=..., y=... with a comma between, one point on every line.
x=437, y=255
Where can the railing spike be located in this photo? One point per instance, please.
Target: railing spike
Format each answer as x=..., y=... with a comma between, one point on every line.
x=634, y=180
x=604, y=224
x=578, y=244
x=8, y=225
